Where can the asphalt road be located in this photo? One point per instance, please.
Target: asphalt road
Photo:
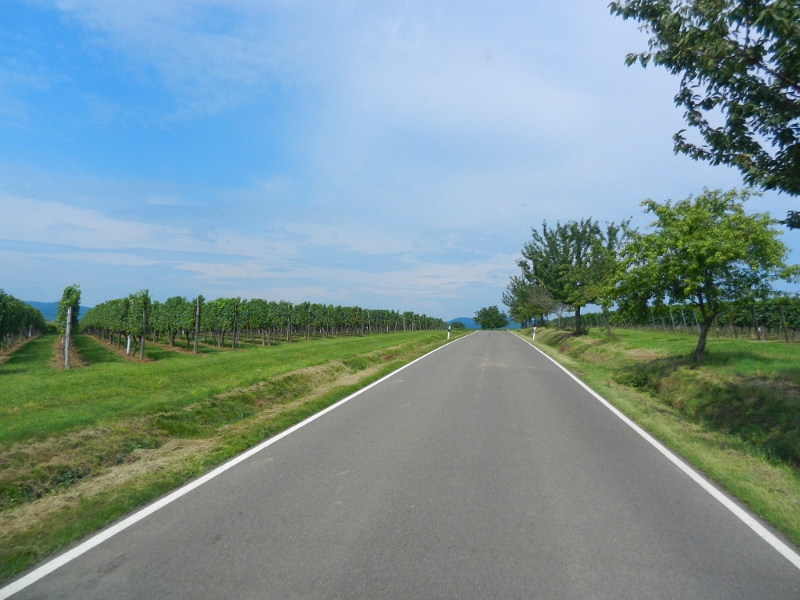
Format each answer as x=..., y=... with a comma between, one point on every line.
x=482, y=471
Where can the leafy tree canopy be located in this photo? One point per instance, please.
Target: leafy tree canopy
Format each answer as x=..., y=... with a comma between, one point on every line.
x=526, y=300
x=570, y=262
x=490, y=318
x=704, y=251
x=740, y=62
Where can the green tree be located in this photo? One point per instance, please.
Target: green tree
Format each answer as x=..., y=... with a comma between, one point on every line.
x=566, y=262
x=490, y=318
x=704, y=251
x=527, y=300
x=607, y=267
x=739, y=60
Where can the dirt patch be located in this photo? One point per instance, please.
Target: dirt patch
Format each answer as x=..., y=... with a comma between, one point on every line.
x=178, y=347
x=76, y=360
x=641, y=354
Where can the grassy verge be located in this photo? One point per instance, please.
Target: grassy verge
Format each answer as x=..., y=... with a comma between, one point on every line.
x=736, y=418
x=67, y=470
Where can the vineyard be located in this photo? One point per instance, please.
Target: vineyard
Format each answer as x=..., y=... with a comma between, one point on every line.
x=226, y=322
x=774, y=318
x=18, y=321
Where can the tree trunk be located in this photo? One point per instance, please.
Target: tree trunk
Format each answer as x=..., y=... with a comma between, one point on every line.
x=578, y=326
x=701, y=342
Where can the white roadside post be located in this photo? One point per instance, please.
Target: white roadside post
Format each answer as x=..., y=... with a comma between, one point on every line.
x=534, y=333
x=448, y=332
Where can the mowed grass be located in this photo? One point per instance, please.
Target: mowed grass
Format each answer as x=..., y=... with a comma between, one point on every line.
x=37, y=401
x=736, y=417
x=84, y=447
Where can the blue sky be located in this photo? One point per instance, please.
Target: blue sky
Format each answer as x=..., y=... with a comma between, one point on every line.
x=385, y=154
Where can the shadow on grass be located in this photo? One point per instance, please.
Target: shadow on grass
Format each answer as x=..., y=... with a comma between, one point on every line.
x=763, y=410
x=93, y=352
x=741, y=391
x=32, y=356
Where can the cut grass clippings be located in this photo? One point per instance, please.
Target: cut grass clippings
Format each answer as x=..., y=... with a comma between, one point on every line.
x=59, y=487
x=714, y=415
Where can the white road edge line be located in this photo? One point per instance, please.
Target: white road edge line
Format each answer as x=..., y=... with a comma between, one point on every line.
x=787, y=552
x=101, y=537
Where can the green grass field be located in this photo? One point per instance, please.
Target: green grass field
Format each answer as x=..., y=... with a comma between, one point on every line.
x=82, y=447
x=37, y=401
x=736, y=417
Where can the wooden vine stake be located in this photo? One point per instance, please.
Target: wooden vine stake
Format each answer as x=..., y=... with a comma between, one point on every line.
x=196, y=324
x=783, y=322
x=67, y=336
x=144, y=330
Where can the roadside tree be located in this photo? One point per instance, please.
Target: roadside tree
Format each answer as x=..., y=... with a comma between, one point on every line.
x=740, y=63
x=571, y=263
x=490, y=318
x=704, y=251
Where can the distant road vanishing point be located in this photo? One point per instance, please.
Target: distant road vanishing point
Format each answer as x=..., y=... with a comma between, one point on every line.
x=481, y=470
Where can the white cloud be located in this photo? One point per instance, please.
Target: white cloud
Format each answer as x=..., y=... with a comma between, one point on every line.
x=30, y=220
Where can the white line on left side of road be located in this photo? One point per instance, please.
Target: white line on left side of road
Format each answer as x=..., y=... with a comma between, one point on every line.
x=106, y=534
x=749, y=520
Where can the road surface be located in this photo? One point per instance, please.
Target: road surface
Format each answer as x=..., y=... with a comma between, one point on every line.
x=481, y=471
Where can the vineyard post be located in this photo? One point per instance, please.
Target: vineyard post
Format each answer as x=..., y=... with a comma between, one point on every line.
x=755, y=323
x=144, y=327
x=235, y=327
x=671, y=319
x=783, y=322
x=196, y=324
x=694, y=314
x=67, y=335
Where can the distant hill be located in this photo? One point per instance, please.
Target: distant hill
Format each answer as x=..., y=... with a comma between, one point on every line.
x=50, y=309
x=470, y=324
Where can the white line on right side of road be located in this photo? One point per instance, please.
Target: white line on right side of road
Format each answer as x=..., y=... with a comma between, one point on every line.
x=785, y=551
x=59, y=561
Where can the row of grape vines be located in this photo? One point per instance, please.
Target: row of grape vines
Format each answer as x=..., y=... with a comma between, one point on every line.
x=18, y=321
x=776, y=317
x=226, y=321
